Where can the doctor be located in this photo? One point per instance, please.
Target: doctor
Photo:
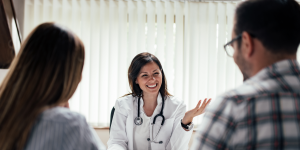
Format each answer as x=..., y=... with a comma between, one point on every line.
x=150, y=118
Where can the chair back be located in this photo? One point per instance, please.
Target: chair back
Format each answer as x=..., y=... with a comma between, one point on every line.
x=111, y=117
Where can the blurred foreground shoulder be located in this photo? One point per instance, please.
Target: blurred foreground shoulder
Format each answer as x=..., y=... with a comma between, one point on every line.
x=62, y=129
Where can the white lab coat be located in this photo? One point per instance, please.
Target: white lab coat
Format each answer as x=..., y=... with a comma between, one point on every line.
x=174, y=137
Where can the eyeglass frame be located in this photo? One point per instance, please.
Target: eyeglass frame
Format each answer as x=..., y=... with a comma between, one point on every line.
x=230, y=43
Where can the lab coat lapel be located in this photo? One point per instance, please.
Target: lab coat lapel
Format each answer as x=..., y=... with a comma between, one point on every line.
x=133, y=115
x=130, y=125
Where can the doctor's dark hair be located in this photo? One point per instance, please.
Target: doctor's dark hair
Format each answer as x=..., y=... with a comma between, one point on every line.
x=276, y=23
x=44, y=74
x=136, y=65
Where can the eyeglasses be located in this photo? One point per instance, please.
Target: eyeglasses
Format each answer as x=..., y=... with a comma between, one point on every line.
x=228, y=47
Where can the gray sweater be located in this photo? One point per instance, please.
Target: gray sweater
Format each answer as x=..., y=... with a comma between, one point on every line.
x=59, y=128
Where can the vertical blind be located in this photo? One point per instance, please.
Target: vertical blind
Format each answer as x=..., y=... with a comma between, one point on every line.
x=187, y=37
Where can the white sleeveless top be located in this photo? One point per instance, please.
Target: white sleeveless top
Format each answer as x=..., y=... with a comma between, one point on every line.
x=141, y=134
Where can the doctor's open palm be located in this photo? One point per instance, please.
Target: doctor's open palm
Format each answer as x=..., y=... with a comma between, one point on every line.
x=198, y=110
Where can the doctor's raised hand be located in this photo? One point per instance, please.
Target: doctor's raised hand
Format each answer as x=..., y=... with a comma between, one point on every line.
x=149, y=117
x=198, y=110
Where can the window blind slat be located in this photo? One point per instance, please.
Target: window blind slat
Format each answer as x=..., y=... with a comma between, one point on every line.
x=65, y=12
x=94, y=62
x=150, y=26
x=45, y=10
x=132, y=41
x=123, y=64
x=160, y=34
x=55, y=11
x=141, y=19
x=186, y=54
x=212, y=36
x=104, y=67
x=238, y=74
x=113, y=53
x=202, y=56
x=203, y=51
x=75, y=27
x=85, y=37
x=178, y=73
x=37, y=12
x=193, y=55
x=169, y=49
x=221, y=56
x=230, y=73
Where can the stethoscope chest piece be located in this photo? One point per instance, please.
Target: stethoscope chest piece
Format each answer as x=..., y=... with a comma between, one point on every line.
x=138, y=121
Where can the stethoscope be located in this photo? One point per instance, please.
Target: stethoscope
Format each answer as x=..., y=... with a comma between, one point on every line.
x=138, y=120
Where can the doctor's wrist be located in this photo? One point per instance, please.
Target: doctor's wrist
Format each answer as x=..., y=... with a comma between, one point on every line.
x=186, y=120
x=187, y=127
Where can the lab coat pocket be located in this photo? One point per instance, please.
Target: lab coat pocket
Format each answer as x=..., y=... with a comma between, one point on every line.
x=157, y=146
x=163, y=134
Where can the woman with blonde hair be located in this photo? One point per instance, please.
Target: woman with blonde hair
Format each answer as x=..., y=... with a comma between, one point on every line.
x=44, y=76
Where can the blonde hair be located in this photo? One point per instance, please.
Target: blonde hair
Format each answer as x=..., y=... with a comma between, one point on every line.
x=45, y=73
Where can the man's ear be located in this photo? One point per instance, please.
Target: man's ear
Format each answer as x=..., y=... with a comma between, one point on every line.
x=247, y=45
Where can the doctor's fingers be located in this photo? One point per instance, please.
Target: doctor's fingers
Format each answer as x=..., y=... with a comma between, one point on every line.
x=198, y=104
x=208, y=102
x=205, y=103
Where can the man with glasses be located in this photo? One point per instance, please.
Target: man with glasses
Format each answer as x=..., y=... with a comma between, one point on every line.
x=264, y=112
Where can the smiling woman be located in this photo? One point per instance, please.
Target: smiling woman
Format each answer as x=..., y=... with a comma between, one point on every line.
x=147, y=79
x=150, y=117
x=150, y=79
x=143, y=67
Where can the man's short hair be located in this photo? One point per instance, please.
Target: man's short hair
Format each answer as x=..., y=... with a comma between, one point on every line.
x=276, y=23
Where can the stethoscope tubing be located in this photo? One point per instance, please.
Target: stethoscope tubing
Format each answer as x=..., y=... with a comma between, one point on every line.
x=154, y=119
x=138, y=118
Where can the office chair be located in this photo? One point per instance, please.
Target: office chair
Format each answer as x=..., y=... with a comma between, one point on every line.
x=111, y=116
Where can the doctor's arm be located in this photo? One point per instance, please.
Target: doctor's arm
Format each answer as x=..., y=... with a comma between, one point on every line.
x=180, y=137
x=118, y=139
x=198, y=110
